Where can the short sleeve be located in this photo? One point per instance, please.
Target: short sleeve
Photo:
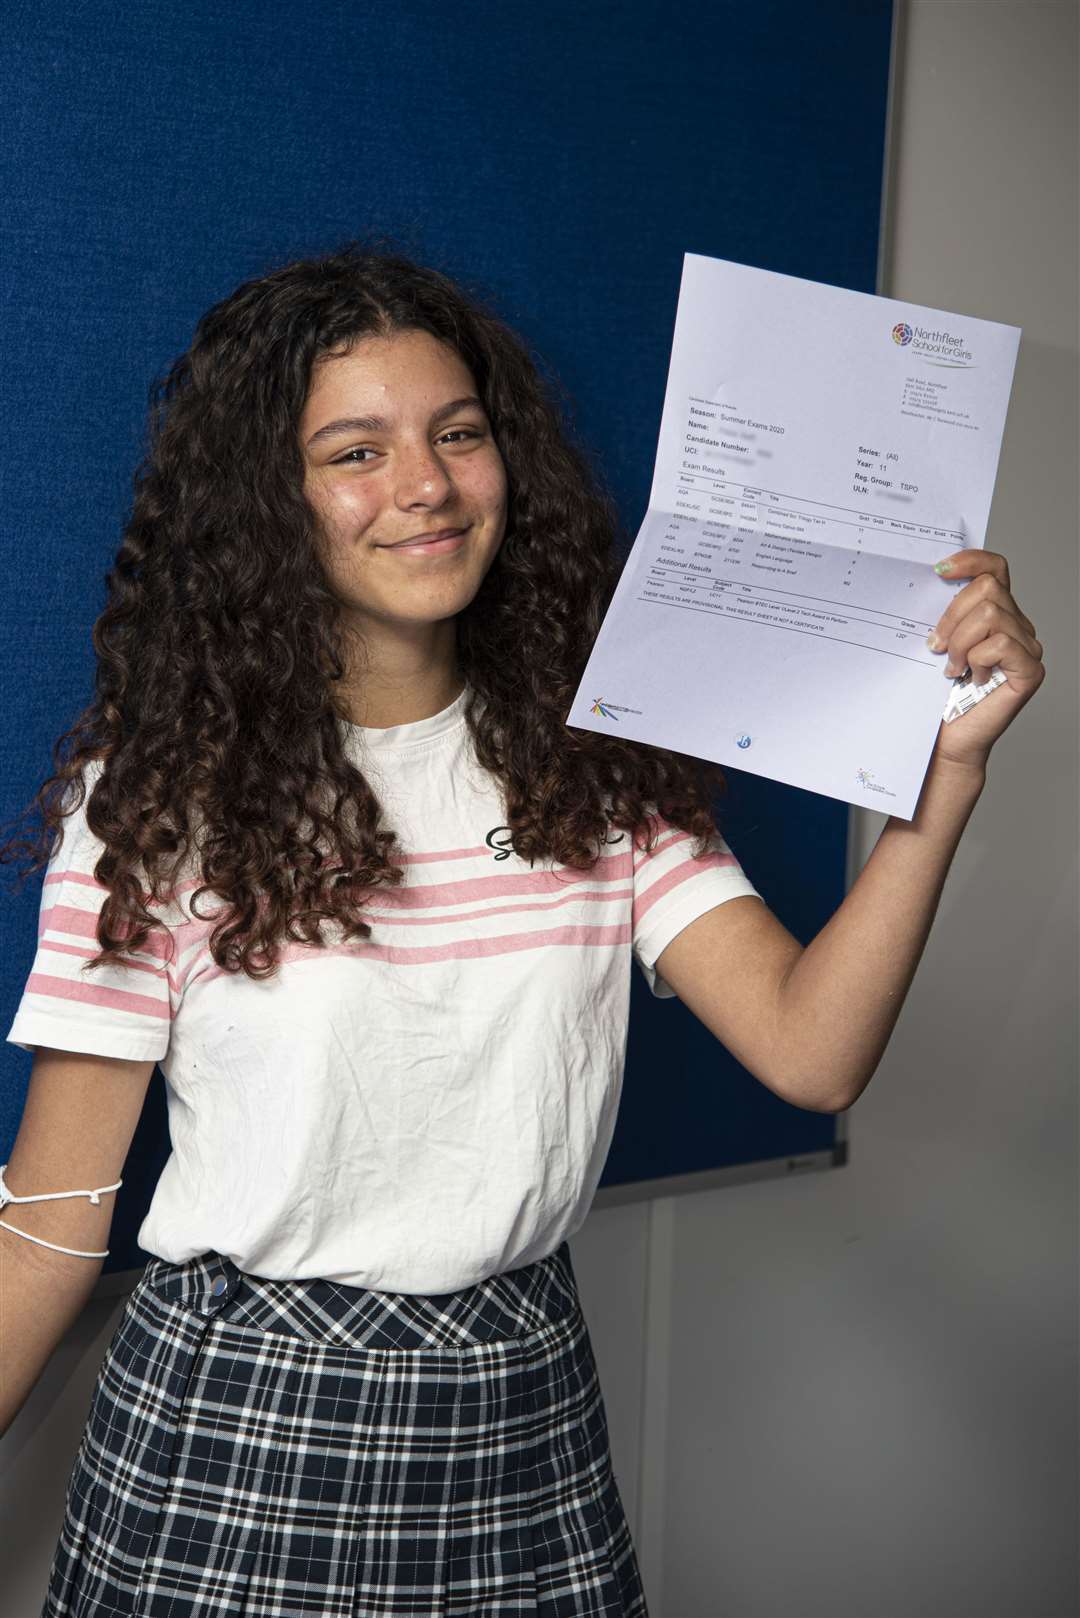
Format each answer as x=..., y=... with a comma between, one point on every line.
x=122, y=1010
x=671, y=890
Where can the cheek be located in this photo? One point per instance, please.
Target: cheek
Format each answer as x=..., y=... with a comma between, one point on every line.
x=489, y=486
x=343, y=508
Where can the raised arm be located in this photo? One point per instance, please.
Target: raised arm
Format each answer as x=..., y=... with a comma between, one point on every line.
x=813, y=1023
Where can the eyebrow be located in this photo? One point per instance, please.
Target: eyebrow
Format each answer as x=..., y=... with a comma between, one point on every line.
x=378, y=424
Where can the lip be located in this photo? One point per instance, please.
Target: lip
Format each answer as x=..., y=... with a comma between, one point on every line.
x=441, y=542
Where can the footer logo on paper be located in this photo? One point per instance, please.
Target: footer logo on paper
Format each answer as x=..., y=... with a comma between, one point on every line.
x=865, y=779
x=611, y=710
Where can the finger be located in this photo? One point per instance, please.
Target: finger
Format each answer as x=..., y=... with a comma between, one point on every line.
x=1009, y=655
x=978, y=590
x=983, y=621
x=969, y=564
x=980, y=626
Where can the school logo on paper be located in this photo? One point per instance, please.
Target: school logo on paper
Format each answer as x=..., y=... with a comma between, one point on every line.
x=743, y=740
x=939, y=347
x=602, y=709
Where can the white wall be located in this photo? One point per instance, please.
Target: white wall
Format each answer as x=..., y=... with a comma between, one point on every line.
x=854, y=1394
x=869, y=1387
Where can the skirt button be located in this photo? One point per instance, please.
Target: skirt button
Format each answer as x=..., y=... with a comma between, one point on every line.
x=219, y=1286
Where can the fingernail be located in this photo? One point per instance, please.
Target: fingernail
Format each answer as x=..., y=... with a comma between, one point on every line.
x=942, y=567
x=934, y=643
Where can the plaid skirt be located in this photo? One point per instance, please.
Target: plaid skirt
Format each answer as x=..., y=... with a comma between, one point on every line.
x=281, y=1448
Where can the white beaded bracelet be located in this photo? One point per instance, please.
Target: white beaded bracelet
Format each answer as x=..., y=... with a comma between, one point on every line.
x=7, y=1196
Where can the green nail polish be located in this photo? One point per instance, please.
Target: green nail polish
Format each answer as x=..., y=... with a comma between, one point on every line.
x=942, y=567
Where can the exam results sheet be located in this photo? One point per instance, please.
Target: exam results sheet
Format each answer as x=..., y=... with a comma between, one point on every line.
x=819, y=451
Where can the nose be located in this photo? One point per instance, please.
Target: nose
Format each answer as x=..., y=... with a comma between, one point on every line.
x=422, y=480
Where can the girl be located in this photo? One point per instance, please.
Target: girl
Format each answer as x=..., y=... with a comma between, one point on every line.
x=337, y=862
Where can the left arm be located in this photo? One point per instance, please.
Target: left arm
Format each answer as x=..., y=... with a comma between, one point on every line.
x=812, y=1023
x=850, y=982
x=841, y=998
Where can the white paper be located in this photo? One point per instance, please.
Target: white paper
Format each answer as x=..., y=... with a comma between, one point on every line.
x=819, y=451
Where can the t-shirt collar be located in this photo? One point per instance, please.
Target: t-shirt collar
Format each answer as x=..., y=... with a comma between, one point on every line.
x=390, y=737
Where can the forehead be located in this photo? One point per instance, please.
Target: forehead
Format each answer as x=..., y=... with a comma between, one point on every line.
x=408, y=370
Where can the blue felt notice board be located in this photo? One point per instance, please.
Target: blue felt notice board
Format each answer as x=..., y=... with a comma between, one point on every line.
x=564, y=157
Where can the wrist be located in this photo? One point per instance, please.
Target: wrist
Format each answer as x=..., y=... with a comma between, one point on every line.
x=953, y=769
x=949, y=794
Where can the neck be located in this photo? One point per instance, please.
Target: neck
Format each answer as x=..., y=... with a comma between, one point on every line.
x=383, y=706
x=398, y=682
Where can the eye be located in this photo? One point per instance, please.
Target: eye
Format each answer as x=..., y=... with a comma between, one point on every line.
x=344, y=460
x=365, y=449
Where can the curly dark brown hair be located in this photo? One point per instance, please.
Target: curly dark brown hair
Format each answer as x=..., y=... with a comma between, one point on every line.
x=220, y=652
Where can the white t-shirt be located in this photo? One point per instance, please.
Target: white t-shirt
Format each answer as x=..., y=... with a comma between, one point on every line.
x=409, y=1113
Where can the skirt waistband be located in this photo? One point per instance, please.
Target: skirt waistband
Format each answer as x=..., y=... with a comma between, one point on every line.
x=501, y=1307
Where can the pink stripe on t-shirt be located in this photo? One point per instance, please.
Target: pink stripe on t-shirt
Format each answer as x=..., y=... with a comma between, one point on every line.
x=710, y=860
x=96, y=994
x=83, y=924
x=458, y=949
x=130, y=961
x=608, y=896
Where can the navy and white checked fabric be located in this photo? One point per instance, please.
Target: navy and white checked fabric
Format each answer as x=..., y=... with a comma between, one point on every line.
x=287, y=1448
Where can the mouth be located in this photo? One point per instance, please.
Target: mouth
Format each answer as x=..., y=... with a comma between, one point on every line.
x=435, y=544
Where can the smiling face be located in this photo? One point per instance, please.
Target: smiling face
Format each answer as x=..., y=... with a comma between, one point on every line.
x=397, y=447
